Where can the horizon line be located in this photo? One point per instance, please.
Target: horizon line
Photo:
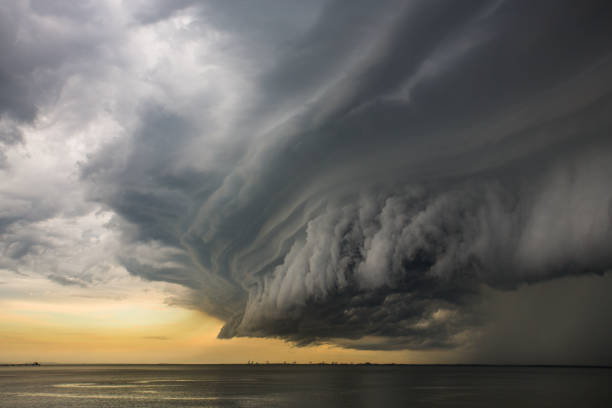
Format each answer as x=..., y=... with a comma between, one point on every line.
x=322, y=363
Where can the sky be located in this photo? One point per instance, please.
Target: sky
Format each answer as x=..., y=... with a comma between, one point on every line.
x=222, y=181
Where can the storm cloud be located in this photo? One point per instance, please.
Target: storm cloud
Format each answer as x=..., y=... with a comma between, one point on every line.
x=348, y=172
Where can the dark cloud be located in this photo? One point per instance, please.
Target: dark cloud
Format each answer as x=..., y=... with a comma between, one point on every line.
x=561, y=321
x=152, y=188
x=13, y=86
x=396, y=160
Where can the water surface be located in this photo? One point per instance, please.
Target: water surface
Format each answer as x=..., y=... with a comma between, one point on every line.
x=302, y=386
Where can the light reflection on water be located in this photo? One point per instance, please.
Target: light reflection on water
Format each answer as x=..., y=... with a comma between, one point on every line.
x=109, y=396
x=301, y=386
x=92, y=385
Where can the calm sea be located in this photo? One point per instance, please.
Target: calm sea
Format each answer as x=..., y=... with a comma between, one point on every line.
x=303, y=386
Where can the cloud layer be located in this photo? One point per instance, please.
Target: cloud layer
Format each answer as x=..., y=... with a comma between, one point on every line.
x=355, y=174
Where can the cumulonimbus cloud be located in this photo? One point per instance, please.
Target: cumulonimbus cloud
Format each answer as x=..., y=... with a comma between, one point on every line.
x=370, y=168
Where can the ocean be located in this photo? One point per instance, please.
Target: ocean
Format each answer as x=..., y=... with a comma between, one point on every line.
x=148, y=386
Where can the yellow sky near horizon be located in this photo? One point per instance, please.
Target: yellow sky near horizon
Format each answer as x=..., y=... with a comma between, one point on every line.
x=149, y=331
x=130, y=320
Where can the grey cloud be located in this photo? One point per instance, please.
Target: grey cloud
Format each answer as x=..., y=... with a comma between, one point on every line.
x=10, y=134
x=156, y=197
x=555, y=322
x=13, y=94
x=43, y=45
x=37, y=57
x=65, y=9
x=66, y=281
x=384, y=266
x=422, y=153
x=150, y=12
x=154, y=191
x=18, y=209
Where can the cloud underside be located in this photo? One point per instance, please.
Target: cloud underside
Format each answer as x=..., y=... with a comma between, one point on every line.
x=472, y=153
x=388, y=166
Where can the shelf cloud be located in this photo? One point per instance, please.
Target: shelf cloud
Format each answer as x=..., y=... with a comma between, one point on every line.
x=357, y=174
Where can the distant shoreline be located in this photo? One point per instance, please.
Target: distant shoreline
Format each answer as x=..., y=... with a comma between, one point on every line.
x=320, y=364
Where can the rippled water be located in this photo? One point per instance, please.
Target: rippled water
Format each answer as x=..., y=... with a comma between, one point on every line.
x=302, y=386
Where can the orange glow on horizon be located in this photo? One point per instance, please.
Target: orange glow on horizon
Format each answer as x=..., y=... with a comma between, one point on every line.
x=150, y=332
